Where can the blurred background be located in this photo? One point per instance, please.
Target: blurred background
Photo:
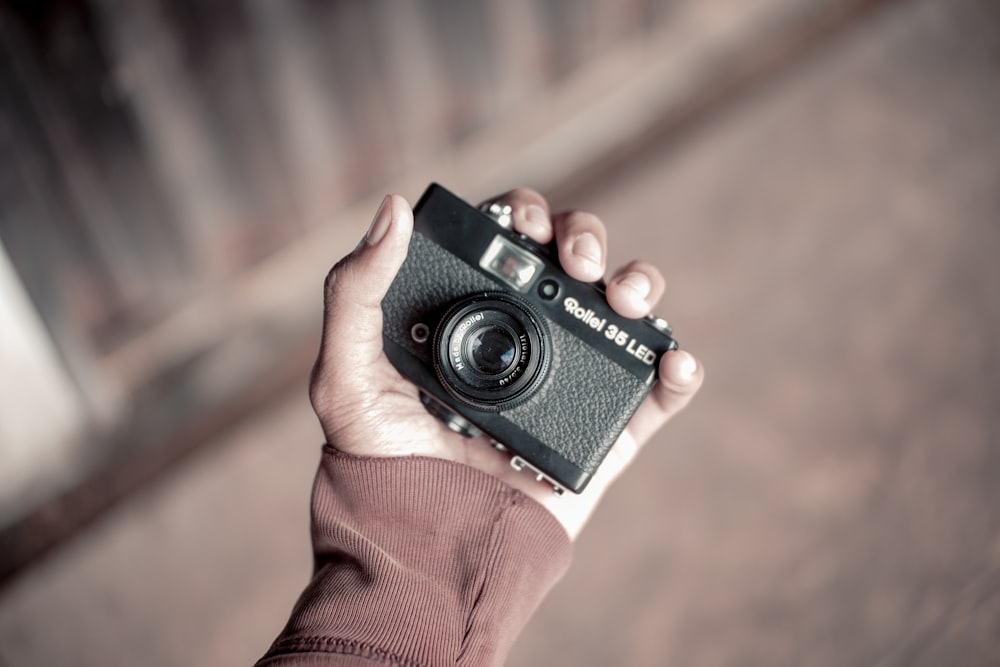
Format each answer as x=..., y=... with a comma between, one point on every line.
x=818, y=179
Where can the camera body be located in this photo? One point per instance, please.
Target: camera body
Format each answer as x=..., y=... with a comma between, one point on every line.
x=502, y=341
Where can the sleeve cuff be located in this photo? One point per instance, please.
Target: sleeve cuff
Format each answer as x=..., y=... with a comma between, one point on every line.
x=421, y=561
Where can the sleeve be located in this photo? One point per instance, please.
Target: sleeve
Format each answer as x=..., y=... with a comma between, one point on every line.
x=418, y=562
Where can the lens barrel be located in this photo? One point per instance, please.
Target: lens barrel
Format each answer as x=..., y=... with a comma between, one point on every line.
x=491, y=351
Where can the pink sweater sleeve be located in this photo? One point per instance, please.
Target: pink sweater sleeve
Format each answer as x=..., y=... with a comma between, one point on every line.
x=418, y=562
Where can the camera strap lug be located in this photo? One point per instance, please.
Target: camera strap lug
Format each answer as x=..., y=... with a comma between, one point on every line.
x=519, y=464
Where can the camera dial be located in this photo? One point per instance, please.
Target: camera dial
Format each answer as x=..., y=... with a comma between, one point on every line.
x=491, y=351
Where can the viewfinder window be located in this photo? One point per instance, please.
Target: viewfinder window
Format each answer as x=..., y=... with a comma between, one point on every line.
x=512, y=264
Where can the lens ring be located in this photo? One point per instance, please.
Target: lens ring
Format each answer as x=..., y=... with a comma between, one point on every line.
x=513, y=365
x=455, y=349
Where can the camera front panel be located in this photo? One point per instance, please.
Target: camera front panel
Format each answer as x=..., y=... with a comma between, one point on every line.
x=596, y=372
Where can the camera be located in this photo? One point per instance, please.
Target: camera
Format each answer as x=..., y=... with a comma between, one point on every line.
x=502, y=342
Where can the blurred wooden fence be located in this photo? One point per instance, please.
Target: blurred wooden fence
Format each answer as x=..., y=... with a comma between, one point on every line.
x=155, y=155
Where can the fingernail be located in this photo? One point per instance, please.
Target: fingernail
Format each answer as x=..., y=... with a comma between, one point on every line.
x=536, y=217
x=687, y=368
x=380, y=223
x=588, y=248
x=638, y=283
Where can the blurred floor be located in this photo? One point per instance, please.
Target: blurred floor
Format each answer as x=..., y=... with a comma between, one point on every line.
x=831, y=499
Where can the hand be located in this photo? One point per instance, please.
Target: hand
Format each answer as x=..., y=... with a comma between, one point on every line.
x=366, y=408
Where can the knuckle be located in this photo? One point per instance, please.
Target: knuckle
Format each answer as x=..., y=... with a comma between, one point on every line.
x=328, y=395
x=319, y=386
x=657, y=282
x=644, y=267
x=331, y=278
x=338, y=274
x=583, y=219
x=523, y=195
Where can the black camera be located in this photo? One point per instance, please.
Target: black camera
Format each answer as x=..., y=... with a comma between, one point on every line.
x=501, y=341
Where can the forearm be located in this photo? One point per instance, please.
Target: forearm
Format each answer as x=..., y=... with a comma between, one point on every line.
x=418, y=561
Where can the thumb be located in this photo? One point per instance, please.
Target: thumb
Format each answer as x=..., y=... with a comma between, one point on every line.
x=355, y=287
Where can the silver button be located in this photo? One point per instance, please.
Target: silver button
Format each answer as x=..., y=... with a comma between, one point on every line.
x=502, y=213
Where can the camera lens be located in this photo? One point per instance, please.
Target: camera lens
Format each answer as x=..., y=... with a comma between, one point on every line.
x=492, y=351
